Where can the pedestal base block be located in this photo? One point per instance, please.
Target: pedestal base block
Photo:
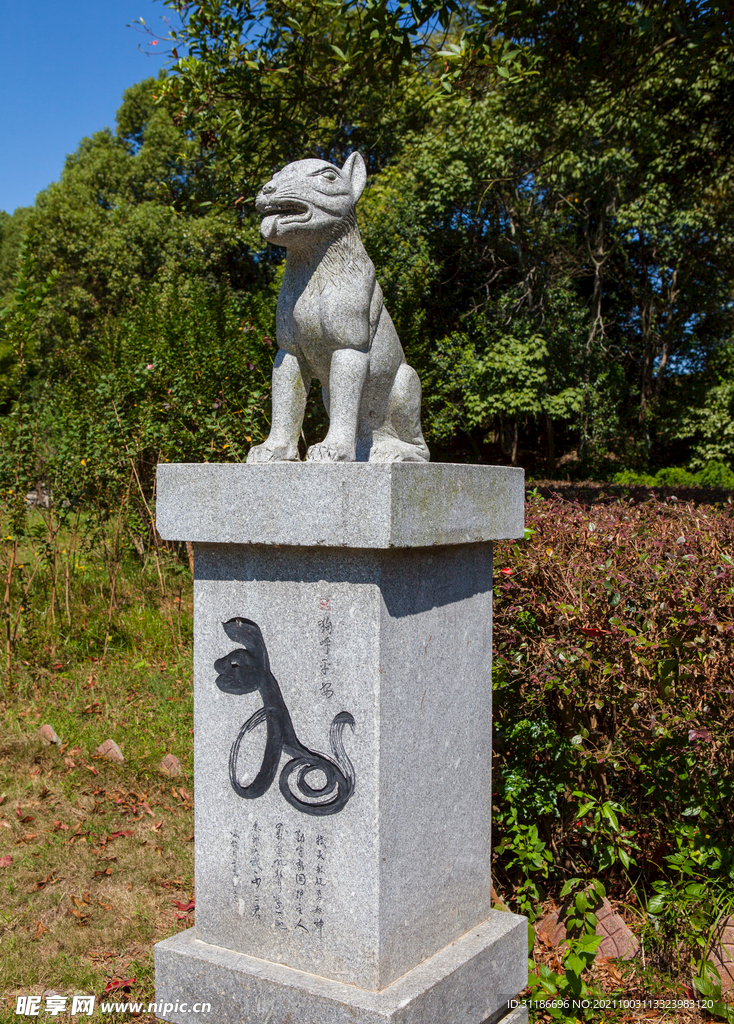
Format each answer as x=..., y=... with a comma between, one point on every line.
x=471, y=981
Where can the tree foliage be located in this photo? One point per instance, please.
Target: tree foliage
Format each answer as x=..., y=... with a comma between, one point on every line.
x=550, y=210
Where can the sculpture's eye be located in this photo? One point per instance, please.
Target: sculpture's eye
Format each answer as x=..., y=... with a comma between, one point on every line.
x=329, y=175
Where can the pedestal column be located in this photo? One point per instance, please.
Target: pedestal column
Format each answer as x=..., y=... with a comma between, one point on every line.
x=342, y=744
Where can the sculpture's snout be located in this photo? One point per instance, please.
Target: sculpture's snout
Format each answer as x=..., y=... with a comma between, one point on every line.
x=264, y=198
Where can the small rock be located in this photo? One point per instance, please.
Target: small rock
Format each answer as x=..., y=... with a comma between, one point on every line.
x=617, y=940
x=721, y=953
x=47, y=735
x=111, y=751
x=171, y=766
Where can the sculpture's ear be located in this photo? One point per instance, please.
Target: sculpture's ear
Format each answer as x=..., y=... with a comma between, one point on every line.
x=354, y=167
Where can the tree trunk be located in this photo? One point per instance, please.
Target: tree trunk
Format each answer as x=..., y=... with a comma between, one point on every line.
x=550, y=447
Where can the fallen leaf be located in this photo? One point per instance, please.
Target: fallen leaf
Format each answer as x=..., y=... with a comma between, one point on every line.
x=189, y=839
x=105, y=906
x=145, y=806
x=116, y=835
x=186, y=907
x=43, y=882
x=39, y=931
x=29, y=837
x=6, y=861
x=158, y=826
x=77, y=914
x=118, y=983
x=60, y=826
x=107, y=871
x=92, y=770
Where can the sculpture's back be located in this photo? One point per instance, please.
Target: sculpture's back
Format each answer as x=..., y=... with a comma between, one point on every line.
x=332, y=325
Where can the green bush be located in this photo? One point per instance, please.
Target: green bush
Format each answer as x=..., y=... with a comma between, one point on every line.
x=614, y=727
x=714, y=474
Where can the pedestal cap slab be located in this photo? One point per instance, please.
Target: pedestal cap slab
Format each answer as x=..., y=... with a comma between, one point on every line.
x=346, y=505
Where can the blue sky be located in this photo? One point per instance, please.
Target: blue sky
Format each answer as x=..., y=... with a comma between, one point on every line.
x=64, y=65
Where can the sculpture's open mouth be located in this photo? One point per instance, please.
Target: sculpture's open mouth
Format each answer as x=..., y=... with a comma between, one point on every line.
x=288, y=211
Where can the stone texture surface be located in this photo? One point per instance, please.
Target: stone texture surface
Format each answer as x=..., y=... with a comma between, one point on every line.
x=110, y=750
x=171, y=766
x=332, y=326
x=401, y=640
x=47, y=734
x=351, y=505
x=467, y=982
x=722, y=953
x=617, y=940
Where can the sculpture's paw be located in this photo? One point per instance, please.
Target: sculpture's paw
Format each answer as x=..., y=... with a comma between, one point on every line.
x=267, y=452
x=328, y=452
x=392, y=450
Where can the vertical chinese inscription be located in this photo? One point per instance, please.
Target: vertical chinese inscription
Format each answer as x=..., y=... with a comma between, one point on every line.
x=326, y=639
x=280, y=876
x=300, y=878
x=318, y=909
x=256, y=875
x=234, y=840
x=278, y=864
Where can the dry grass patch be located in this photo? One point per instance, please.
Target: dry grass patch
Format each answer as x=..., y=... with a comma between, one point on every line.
x=98, y=867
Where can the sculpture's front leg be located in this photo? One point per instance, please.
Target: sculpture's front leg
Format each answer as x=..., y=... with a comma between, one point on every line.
x=290, y=391
x=347, y=377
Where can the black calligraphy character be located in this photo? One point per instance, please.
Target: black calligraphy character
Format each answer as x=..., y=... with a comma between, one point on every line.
x=248, y=669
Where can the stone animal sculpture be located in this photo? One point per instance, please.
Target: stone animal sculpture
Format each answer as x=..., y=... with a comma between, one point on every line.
x=248, y=669
x=332, y=325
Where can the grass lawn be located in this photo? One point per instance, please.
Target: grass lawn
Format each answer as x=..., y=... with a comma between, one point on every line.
x=97, y=857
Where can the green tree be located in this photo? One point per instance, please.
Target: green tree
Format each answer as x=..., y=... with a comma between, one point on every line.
x=126, y=216
x=607, y=239
x=12, y=230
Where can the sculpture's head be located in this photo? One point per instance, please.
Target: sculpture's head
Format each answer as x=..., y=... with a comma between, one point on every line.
x=245, y=669
x=310, y=199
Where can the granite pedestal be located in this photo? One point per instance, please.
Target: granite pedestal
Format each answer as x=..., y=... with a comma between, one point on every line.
x=342, y=744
